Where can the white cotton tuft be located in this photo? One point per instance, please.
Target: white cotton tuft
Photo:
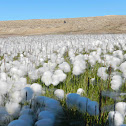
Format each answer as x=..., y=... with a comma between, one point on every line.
x=72, y=100
x=65, y=67
x=46, y=115
x=86, y=56
x=93, y=108
x=40, y=100
x=101, y=73
x=23, y=68
x=21, y=55
x=115, y=118
x=59, y=93
x=23, y=80
x=37, y=89
x=53, y=106
x=5, y=67
x=3, y=87
x=80, y=91
x=18, y=122
x=80, y=58
x=59, y=60
x=47, y=78
x=61, y=75
x=91, y=60
x=3, y=110
x=58, y=77
x=55, y=80
x=16, y=96
x=115, y=62
x=20, y=73
x=77, y=70
x=26, y=111
x=122, y=68
x=44, y=122
x=51, y=66
x=5, y=118
x=3, y=76
x=27, y=118
x=116, y=82
x=82, y=103
x=13, y=71
x=15, y=77
x=40, y=71
x=20, y=83
x=53, y=57
x=121, y=108
x=26, y=94
x=33, y=75
x=71, y=53
x=79, y=66
x=13, y=109
x=93, y=81
x=118, y=54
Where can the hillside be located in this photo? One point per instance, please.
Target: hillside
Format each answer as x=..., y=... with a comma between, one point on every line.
x=92, y=25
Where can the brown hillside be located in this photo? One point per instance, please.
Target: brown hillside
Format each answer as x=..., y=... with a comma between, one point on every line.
x=92, y=25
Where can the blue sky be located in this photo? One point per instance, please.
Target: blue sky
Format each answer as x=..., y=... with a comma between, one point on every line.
x=48, y=9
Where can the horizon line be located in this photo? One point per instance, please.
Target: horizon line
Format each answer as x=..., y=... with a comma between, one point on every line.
x=58, y=18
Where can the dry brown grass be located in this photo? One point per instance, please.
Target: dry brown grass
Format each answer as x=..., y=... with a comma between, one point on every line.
x=92, y=25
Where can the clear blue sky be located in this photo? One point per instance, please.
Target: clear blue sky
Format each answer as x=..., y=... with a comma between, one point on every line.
x=48, y=9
